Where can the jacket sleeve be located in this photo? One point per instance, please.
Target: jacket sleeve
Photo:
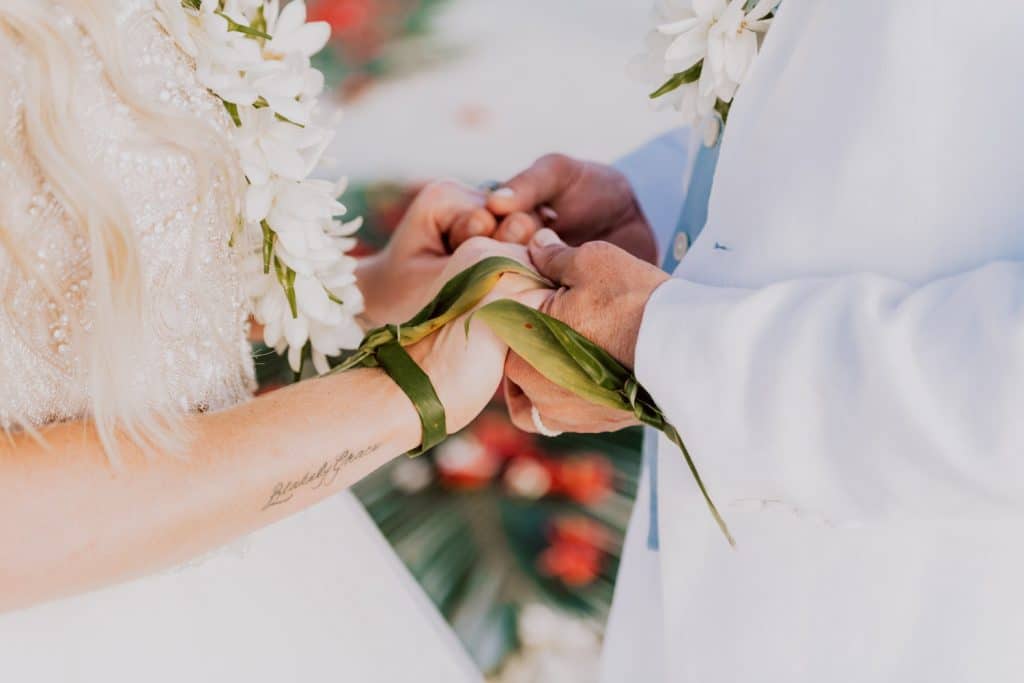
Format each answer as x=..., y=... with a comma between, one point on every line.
x=858, y=397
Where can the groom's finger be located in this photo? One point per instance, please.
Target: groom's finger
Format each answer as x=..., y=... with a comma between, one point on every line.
x=543, y=182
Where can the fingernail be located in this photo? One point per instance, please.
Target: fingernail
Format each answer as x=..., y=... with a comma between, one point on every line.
x=504, y=193
x=545, y=238
x=548, y=215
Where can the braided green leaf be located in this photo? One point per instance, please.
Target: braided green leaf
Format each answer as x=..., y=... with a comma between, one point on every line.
x=383, y=347
x=555, y=350
x=400, y=367
x=573, y=362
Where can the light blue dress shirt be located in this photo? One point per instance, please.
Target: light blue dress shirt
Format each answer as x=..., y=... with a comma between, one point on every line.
x=655, y=171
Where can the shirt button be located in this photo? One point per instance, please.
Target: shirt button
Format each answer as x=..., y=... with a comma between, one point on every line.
x=680, y=246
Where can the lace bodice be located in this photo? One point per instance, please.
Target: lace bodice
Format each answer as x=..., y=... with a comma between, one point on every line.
x=183, y=243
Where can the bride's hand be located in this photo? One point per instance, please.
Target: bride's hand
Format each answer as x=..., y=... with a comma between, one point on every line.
x=395, y=282
x=465, y=371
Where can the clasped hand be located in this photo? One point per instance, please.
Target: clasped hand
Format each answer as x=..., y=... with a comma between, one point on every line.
x=603, y=282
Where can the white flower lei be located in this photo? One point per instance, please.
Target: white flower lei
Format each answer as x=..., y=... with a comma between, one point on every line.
x=706, y=49
x=255, y=57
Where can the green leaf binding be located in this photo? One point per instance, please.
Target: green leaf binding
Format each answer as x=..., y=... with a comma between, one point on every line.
x=411, y=379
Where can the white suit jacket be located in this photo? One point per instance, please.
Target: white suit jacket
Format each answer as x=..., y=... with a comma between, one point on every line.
x=843, y=351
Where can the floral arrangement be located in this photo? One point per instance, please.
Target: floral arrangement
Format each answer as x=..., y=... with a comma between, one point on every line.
x=255, y=57
x=705, y=48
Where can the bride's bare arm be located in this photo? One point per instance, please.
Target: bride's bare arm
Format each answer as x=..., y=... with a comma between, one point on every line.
x=69, y=521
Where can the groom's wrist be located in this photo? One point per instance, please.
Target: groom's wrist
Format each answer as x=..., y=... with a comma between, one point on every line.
x=639, y=298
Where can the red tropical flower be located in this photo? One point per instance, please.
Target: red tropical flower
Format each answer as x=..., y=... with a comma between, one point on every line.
x=577, y=550
x=572, y=564
x=587, y=479
x=579, y=530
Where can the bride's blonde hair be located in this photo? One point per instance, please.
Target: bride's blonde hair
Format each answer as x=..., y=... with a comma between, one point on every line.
x=58, y=153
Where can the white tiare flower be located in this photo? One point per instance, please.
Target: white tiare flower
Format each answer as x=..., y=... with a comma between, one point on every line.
x=301, y=215
x=686, y=24
x=256, y=58
x=733, y=43
x=721, y=33
x=289, y=86
x=702, y=51
x=651, y=68
x=326, y=321
x=221, y=55
x=285, y=79
x=270, y=147
x=291, y=33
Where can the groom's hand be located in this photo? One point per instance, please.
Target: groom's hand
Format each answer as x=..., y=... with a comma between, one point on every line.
x=581, y=201
x=603, y=293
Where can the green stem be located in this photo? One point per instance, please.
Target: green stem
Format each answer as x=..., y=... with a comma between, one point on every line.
x=679, y=80
x=669, y=431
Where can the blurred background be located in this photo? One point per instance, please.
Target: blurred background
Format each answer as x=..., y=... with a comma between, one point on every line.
x=515, y=538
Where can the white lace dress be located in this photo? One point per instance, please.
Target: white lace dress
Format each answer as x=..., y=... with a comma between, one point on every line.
x=317, y=597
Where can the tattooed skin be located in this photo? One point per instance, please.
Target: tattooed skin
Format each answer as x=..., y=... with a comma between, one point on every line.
x=324, y=475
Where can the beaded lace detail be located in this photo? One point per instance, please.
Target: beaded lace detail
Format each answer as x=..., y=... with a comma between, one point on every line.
x=183, y=242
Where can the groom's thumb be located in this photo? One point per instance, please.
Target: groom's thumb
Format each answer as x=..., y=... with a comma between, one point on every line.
x=552, y=257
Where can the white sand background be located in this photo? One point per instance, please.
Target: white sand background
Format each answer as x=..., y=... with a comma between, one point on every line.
x=528, y=77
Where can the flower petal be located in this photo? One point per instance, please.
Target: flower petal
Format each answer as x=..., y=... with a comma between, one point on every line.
x=258, y=200
x=739, y=54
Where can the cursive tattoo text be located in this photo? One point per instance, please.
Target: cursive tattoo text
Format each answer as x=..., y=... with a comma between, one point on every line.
x=324, y=475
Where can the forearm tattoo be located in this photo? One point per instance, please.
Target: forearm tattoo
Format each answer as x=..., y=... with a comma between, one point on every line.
x=324, y=475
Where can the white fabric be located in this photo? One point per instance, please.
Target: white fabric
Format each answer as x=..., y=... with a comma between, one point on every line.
x=634, y=644
x=318, y=597
x=847, y=364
